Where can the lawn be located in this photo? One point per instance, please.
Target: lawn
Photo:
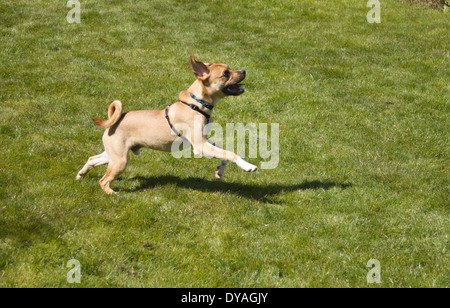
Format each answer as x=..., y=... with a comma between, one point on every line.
x=363, y=111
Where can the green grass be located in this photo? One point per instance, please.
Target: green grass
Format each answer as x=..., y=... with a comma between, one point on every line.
x=364, y=149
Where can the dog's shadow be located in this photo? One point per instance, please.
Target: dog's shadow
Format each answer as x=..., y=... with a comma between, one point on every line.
x=257, y=192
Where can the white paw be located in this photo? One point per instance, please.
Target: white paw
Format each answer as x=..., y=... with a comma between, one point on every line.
x=245, y=165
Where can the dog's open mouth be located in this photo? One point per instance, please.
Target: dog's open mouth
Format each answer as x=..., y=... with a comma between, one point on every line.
x=234, y=89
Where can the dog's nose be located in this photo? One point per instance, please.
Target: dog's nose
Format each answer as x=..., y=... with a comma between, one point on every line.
x=242, y=72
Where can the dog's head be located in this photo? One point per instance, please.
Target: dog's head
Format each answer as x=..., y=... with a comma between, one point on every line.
x=217, y=79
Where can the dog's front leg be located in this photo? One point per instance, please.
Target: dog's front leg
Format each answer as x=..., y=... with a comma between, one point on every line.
x=220, y=168
x=205, y=148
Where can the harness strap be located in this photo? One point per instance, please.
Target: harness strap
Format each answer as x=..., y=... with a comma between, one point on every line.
x=193, y=107
x=170, y=124
x=196, y=108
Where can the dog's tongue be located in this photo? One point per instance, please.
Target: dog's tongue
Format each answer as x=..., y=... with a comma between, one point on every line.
x=236, y=88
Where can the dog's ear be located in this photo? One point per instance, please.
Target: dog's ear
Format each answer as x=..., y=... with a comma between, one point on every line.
x=199, y=68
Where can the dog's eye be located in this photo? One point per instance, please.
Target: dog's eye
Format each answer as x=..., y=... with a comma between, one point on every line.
x=227, y=74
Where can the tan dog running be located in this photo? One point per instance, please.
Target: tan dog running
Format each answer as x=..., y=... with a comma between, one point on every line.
x=157, y=129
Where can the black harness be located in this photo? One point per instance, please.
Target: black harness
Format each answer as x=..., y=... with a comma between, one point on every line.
x=193, y=107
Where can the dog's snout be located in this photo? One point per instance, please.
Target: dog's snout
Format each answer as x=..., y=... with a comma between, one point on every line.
x=242, y=72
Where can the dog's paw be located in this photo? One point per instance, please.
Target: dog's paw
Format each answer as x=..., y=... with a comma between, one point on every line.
x=79, y=176
x=220, y=170
x=247, y=167
x=252, y=168
x=218, y=175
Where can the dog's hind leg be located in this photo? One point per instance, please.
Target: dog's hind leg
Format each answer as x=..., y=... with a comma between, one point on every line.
x=115, y=168
x=94, y=161
x=118, y=160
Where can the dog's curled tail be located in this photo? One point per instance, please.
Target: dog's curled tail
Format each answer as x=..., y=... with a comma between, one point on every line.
x=114, y=114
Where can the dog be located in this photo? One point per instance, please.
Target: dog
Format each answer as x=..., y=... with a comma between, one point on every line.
x=158, y=129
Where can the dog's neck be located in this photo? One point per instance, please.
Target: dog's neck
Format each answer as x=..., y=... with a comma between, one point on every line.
x=197, y=92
